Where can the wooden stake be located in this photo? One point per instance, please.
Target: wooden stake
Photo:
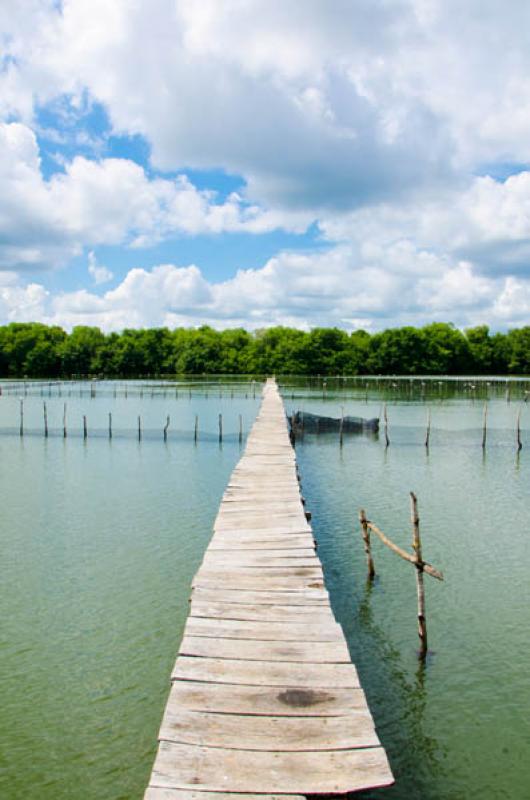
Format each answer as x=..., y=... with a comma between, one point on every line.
x=341, y=428
x=196, y=431
x=166, y=426
x=45, y=412
x=110, y=425
x=64, y=422
x=385, y=416
x=85, y=429
x=367, y=546
x=518, y=426
x=220, y=428
x=484, y=425
x=22, y=418
x=139, y=428
x=428, y=434
x=240, y=429
x=420, y=588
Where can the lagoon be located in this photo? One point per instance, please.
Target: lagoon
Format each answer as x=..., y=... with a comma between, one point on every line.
x=100, y=540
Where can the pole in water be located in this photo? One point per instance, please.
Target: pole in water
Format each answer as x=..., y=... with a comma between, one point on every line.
x=220, y=428
x=240, y=429
x=420, y=588
x=196, y=430
x=428, y=434
x=22, y=418
x=64, y=421
x=110, y=425
x=518, y=427
x=367, y=546
x=484, y=426
x=166, y=426
x=85, y=429
x=385, y=416
x=139, y=429
x=341, y=428
x=45, y=413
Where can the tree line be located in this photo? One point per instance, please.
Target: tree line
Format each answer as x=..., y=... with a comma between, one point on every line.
x=35, y=350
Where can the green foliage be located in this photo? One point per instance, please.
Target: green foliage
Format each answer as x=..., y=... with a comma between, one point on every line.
x=40, y=351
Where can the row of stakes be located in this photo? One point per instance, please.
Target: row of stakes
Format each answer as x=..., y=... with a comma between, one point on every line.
x=519, y=443
x=10, y=389
x=85, y=425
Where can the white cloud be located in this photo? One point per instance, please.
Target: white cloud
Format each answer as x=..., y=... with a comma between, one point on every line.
x=334, y=288
x=99, y=273
x=111, y=201
x=369, y=116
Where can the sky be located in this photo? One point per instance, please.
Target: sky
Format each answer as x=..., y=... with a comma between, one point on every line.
x=358, y=163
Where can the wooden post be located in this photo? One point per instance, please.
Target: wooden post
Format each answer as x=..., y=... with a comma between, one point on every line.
x=484, y=425
x=64, y=422
x=166, y=426
x=341, y=428
x=240, y=429
x=518, y=427
x=367, y=545
x=420, y=588
x=385, y=416
x=220, y=428
x=85, y=429
x=292, y=434
x=196, y=431
x=139, y=428
x=428, y=434
x=22, y=418
x=45, y=413
x=110, y=425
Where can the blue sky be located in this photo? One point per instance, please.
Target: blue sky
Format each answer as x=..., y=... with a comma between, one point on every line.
x=177, y=163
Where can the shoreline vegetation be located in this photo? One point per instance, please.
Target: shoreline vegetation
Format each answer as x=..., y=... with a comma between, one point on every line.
x=35, y=350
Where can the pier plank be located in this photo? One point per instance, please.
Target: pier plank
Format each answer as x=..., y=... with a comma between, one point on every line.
x=184, y=766
x=267, y=673
x=255, y=732
x=265, y=650
x=309, y=631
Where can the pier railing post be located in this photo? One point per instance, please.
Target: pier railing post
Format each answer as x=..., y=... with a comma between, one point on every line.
x=420, y=588
x=367, y=546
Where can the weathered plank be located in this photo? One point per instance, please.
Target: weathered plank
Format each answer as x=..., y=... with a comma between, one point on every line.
x=302, y=597
x=257, y=650
x=222, y=698
x=260, y=542
x=255, y=732
x=242, y=580
x=261, y=613
x=328, y=631
x=216, y=769
x=267, y=673
x=216, y=559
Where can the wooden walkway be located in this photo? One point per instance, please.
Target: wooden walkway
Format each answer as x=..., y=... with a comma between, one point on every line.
x=264, y=698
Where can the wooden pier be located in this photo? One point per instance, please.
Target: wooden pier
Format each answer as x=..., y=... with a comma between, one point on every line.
x=264, y=699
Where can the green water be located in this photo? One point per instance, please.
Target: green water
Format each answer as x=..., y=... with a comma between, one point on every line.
x=460, y=728
x=99, y=541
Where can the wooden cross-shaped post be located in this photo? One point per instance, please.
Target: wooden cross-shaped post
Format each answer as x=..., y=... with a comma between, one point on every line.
x=416, y=558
